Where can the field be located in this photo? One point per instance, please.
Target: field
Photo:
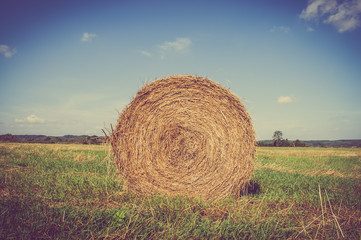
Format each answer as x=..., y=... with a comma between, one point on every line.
x=59, y=191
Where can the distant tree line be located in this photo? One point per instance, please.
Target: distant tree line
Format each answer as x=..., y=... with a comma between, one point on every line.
x=279, y=141
x=83, y=139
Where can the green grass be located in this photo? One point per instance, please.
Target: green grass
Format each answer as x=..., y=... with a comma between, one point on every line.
x=75, y=192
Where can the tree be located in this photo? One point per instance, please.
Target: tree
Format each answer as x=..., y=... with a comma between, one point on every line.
x=8, y=138
x=286, y=143
x=277, y=138
x=298, y=143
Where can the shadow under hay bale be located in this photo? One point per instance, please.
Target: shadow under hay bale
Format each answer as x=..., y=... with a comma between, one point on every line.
x=185, y=135
x=251, y=188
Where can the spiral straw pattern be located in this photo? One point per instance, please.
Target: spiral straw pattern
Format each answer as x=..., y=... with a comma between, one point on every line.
x=185, y=135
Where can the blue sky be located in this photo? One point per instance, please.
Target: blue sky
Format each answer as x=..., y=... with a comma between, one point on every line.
x=69, y=67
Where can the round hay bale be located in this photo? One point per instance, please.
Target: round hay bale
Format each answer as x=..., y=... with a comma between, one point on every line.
x=185, y=135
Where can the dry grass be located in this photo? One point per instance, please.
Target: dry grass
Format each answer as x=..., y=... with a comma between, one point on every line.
x=55, y=147
x=336, y=162
x=310, y=152
x=330, y=172
x=185, y=135
x=47, y=194
x=81, y=157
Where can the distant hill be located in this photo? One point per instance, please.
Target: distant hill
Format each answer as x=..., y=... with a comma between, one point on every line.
x=83, y=139
x=348, y=143
x=334, y=143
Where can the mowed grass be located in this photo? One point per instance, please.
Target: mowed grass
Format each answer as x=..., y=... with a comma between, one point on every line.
x=74, y=192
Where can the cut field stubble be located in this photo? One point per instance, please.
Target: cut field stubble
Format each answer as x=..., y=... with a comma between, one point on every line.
x=46, y=193
x=185, y=135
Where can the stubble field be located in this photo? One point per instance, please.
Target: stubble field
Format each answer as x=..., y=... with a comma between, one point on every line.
x=54, y=191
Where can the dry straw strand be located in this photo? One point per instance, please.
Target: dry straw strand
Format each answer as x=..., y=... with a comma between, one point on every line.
x=185, y=135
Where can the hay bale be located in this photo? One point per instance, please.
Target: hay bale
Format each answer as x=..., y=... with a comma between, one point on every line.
x=185, y=135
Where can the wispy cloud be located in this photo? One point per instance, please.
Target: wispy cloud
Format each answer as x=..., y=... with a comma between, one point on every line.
x=283, y=29
x=179, y=45
x=145, y=53
x=30, y=119
x=284, y=99
x=7, y=51
x=317, y=8
x=345, y=16
x=87, y=37
x=76, y=114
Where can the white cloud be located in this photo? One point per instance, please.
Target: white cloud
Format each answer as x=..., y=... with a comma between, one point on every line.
x=317, y=8
x=87, y=37
x=145, y=53
x=75, y=114
x=284, y=99
x=280, y=29
x=30, y=119
x=345, y=16
x=309, y=29
x=179, y=45
x=6, y=51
